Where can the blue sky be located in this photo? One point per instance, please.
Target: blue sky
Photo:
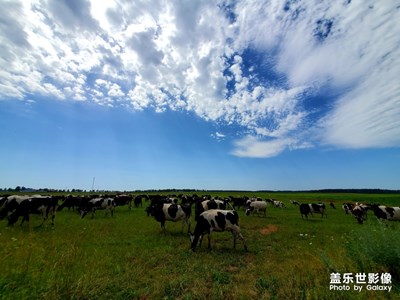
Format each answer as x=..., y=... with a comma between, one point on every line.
x=249, y=95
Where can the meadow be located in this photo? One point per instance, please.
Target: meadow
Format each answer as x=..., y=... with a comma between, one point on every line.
x=128, y=256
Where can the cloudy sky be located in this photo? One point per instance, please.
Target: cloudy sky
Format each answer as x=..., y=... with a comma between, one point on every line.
x=200, y=94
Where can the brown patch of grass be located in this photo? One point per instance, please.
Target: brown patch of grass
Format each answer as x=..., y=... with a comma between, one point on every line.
x=269, y=229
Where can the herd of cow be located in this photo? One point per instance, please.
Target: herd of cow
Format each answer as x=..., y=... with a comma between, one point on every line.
x=211, y=214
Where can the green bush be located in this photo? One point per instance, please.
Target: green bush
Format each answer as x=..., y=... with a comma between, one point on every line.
x=375, y=247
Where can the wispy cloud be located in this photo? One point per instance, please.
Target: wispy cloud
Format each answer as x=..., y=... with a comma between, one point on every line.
x=193, y=56
x=218, y=136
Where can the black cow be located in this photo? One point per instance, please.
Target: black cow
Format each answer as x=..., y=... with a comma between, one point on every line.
x=305, y=210
x=123, y=199
x=163, y=212
x=69, y=202
x=138, y=200
x=92, y=205
x=216, y=220
x=238, y=201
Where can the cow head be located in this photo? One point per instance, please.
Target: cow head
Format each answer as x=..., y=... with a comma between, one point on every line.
x=249, y=209
x=83, y=213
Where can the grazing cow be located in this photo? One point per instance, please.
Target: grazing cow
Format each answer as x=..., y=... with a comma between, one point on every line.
x=123, y=199
x=294, y=202
x=256, y=207
x=22, y=206
x=216, y=220
x=207, y=205
x=171, y=212
x=332, y=205
x=92, y=205
x=386, y=212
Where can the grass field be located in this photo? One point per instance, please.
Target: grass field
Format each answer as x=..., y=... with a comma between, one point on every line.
x=128, y=257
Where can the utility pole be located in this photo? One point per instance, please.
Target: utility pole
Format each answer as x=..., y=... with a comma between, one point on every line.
x=94, y=178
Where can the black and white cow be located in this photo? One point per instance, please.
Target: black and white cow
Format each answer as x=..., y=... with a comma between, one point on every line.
x=347, y=207
x=23, y=206
x=163, y=212
x=277, y=203
x=386, y=212
x=92, y=205
x=294, y=202
x=204, y=205
x=318, y=208
x=359, y=212
x=306, y=209
x=256, y=207
x=216, y=220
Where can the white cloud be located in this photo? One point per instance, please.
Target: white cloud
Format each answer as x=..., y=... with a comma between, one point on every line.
x=218, y=136
x=251, y=146
x=191, y=56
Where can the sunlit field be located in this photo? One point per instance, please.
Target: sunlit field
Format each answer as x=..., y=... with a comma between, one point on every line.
x=128, y=256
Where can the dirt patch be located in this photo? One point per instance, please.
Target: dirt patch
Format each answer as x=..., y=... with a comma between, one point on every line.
x=269, y=229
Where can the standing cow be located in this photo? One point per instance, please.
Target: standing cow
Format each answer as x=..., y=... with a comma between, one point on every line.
x=23, y=206
x=216, y=220
x=386, y=212
x=163, y=212
x=256, y=207
x=92, y=205
x=306, y=209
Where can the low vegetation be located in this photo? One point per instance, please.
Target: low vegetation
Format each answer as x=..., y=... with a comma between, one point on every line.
x=128, y=257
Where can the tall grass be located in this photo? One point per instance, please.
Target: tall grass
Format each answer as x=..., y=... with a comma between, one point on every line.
x=376, y=247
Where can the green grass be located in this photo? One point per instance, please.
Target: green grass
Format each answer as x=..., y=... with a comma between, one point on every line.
x=128, y=257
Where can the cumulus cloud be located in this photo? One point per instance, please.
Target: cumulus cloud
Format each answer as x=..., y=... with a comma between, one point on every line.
x=255, y=64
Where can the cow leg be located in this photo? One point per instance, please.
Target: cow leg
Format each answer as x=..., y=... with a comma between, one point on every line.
x=163, y=227
x=209, y=240
x=201, y=239
x=187, y=222
x=240, y=236
x=53, y=216
x=234, y=239
x=24, y=218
